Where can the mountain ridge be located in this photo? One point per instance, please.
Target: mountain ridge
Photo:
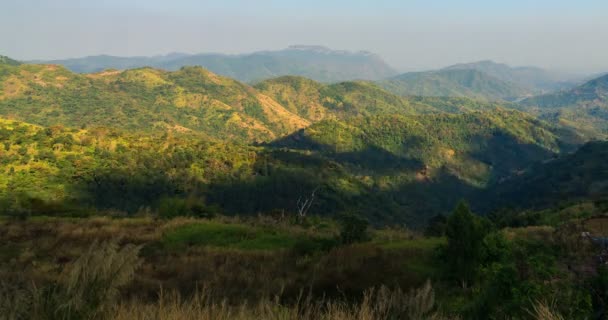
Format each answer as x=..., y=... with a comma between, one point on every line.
x=316, y=62
x=452, y=83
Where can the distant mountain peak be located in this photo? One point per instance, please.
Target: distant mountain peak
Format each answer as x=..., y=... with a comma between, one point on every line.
x=306, y=47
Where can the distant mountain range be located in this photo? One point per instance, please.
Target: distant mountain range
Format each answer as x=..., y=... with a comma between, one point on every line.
x=480, y=80
x=315, y=62
x=532, y=78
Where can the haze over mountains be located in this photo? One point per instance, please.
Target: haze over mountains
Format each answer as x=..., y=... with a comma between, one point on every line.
x=315, y=62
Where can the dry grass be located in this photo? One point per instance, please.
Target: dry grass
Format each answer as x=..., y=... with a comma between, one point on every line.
x=88, y=289
x=377, y=304
x=542, y=311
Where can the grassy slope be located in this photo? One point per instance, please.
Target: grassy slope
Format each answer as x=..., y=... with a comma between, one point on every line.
x=178, y=254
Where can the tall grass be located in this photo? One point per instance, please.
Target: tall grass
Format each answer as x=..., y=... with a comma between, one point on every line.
x=377, y=304
x=89, y=289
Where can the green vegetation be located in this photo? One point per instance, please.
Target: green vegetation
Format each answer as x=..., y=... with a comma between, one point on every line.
x=8, y=61
x=453, y=83
x=573, y=177
x=584, y=108
x=315, y=101
x=380, y=167
x=239, y=237
x=535, y=80
x=191, y=100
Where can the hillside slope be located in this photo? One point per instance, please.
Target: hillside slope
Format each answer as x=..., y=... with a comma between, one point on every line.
x=398, y=169
x=452, y=83
x=582, y=175
x=190, y=99
x=316, y=101
x=584, y=108
x=532, y=78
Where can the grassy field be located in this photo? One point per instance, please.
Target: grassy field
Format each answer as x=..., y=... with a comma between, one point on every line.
x=238, y=259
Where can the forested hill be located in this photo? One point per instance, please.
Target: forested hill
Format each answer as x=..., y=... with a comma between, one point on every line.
x=387, y=168
x=579, y=176
x=592, y=92
x=8, y=61
x=453, y=83
x=532, y=78
x=196, y=100
x=144, y=138
x=584, y=108
x=191, y=99
x=316, y=101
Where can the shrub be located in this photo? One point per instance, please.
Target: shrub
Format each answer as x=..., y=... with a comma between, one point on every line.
x=353, y=228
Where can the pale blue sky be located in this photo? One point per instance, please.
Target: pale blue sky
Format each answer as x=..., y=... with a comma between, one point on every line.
x=409, y=34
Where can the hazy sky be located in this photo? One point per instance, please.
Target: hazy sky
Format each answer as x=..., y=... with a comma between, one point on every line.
x=409, y=34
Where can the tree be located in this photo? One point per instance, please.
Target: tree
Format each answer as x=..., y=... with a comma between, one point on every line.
x=464, y=250
x=436, y=226
x=353, y=228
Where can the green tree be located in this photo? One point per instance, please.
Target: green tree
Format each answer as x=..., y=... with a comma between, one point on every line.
x=464, y=250
x=436, y=226
x=353, y=228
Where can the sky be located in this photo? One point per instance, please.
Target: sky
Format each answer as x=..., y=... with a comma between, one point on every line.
x=409, y=34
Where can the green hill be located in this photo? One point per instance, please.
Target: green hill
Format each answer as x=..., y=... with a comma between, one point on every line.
x=532, y=78
x=476, y=147
x=452, y=83
x=582, y=175
x=191, y=99
x=584, y=108
x=389, y=168
x=8, y=61
x=316, y=101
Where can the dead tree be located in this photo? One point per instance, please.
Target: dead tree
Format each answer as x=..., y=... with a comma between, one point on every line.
x=304, y=204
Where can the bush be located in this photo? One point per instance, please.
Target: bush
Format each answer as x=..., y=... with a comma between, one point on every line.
x=353, y=228
x=173, y=207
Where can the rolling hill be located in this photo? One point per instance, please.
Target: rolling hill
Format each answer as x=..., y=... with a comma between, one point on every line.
x=584, y=108
x=315, y=62
x=389, y=168
x=579, y=176
x=316, y=101
x=190, y=99
x=122, y=140
x=453, y=83
x=8, y=61
x=532, y=78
